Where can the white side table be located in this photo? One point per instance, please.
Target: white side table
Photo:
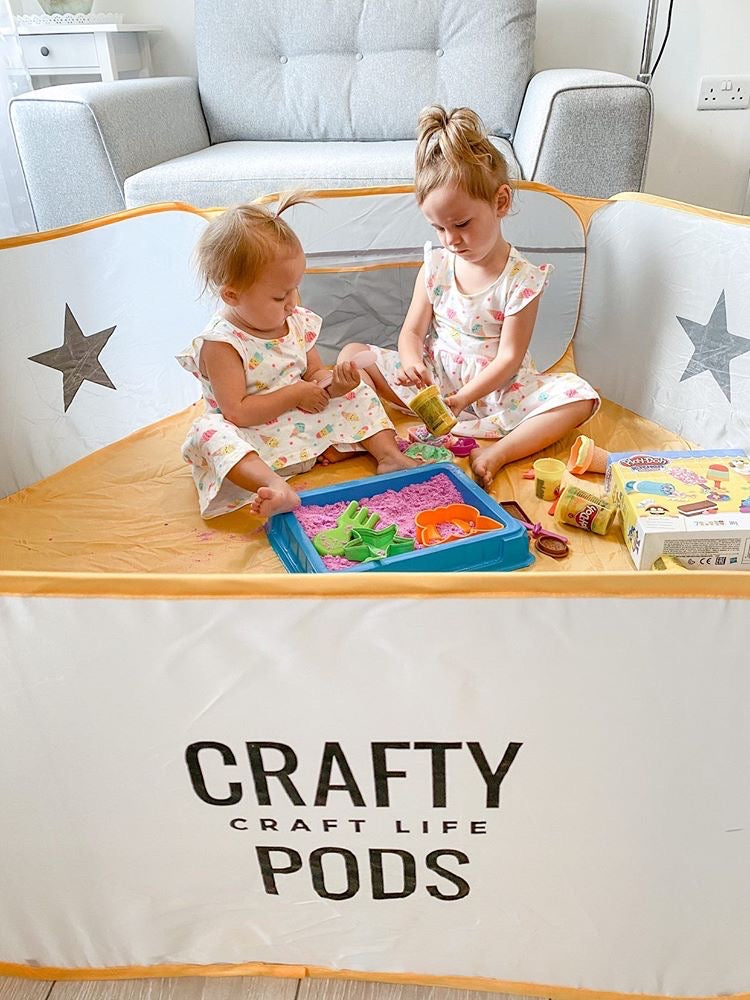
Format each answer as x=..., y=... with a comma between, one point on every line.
x=103, y=50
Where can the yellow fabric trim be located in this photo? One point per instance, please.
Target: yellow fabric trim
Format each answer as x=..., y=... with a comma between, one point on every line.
x=409, y=188
x=105, y=220
x=363, y=267
x=682, y=206
x=583, y=207
x=266, y=199
x=648, y=584
x=278, y=971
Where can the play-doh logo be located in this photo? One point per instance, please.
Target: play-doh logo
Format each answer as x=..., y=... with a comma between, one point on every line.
x=404, y=794
x=645, y=463
x=583, y=518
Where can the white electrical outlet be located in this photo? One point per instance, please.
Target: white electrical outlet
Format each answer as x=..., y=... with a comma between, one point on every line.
x=724, y=93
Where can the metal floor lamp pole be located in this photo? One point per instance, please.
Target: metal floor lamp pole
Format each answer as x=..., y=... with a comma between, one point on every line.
x=648, y=41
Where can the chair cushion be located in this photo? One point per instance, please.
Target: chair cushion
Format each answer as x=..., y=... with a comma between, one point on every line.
x=355, y=69
x=233, y=172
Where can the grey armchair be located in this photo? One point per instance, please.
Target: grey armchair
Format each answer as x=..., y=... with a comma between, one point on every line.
x=327, y=97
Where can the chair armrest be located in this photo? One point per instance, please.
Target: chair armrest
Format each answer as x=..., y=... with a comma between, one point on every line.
x=79, y=143
x=585, y=131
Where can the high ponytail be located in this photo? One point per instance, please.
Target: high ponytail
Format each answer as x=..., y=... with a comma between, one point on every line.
x=288, y=200
x=453, y=149
x=236, y=246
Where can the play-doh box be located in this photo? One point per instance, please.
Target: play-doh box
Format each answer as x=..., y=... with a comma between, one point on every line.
x=693, y=505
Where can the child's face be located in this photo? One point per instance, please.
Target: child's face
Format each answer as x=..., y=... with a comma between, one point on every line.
x=265, y=306
x=466, y=226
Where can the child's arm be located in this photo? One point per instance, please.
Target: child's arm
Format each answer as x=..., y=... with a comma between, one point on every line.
x=514, y=342
x=315, y=367
x=344, y=378
x=411, y=339
x=226, y=373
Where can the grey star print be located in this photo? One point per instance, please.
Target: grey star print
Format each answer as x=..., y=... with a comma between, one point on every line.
x=715, y=347
x=77, y=358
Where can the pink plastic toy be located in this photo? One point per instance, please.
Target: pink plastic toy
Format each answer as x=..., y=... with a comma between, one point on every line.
x=538, y=531
x=462, y=446
x=535, y=530
x=360, y=360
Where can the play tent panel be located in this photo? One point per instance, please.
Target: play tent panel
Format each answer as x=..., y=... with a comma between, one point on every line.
x=665, y=318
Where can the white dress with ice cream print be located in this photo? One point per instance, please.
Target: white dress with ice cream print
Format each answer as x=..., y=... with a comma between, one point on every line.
x=288, y=444
x=464, y=337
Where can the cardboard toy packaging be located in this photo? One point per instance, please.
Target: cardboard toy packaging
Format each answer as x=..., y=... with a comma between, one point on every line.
x=693, y=505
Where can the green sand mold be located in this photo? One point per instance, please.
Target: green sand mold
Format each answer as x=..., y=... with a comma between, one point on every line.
x=428, y=453
x=332, y=541
x=367, y=544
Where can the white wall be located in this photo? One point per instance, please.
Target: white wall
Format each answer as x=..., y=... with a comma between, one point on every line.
x=702, y=157
x=173, y=50
x=698, y=157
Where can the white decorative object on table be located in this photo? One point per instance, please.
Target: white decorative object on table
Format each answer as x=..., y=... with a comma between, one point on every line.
x=45, y=20
x=66, y=6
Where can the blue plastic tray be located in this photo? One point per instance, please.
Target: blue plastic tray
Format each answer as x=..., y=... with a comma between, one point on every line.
x=501, y=550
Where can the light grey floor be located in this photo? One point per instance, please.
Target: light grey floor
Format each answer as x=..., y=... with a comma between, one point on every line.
x=232, y=988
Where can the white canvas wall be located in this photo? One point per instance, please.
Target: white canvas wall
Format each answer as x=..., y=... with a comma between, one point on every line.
x=92, y=346
x=612, y=857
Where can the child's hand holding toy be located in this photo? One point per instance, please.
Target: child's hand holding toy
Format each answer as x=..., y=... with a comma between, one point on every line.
x=345, y=376
x=456, y=403
x=345, y=379
x=414, y=374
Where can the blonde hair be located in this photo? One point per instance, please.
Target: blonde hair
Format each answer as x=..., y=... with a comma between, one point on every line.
x=235, y=247
x=453, y=149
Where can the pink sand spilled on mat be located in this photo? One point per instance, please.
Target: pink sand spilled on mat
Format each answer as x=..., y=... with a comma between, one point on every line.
x=398, y=507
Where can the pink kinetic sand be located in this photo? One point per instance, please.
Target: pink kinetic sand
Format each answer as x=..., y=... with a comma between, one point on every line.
x=398, y=507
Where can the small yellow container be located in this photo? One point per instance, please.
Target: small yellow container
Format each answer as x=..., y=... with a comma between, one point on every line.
x=548, y=473
x=429, y=406
x=585, y=510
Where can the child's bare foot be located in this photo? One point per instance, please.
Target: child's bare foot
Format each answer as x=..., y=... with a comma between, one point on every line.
x=274, y=500
x=486, y=463
x=332, y=455
x=392, y=463
x=383, y=448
